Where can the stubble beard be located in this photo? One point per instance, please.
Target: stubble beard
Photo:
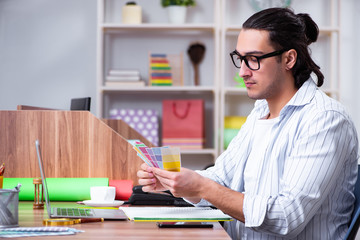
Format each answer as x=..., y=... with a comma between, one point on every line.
x=266, y=93
x=271, y=90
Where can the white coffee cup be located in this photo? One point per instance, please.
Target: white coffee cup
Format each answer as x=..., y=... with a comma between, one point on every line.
x=102, y=194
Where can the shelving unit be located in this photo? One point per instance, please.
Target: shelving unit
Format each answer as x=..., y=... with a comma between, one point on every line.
x=216, y=23
x=127, y=46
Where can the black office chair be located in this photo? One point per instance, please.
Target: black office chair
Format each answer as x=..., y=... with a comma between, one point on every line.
x=80, y=104
x=355, y=218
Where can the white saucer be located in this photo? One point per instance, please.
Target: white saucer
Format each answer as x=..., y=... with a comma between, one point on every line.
x=115, y=203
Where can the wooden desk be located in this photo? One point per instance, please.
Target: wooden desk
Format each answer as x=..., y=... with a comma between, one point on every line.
x=117, y=229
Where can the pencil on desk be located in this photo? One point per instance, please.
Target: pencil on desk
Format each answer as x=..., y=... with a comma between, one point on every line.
x=88, y=220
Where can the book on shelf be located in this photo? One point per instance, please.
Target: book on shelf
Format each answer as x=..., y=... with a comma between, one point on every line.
x=165, y=69
x=160, y=70
x=124, y=83
x=184, y=143
x=169, y=81
x=122, y=78
x=123, y=72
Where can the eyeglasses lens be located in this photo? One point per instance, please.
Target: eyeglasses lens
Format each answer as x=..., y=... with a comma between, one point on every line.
x=250, y=61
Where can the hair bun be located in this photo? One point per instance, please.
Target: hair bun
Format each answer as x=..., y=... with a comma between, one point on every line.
x=311, y=29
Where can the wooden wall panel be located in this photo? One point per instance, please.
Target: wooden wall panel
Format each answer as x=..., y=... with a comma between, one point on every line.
x=9, y=147
x=15, y=145
x=73, y=144
x=101, y=162
x=71, y=154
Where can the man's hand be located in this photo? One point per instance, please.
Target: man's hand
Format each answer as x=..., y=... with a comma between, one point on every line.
x=148, y=180
x=185, y=183
x=193, y=187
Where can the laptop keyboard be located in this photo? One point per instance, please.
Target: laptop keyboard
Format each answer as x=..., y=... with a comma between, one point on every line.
x=74, y=212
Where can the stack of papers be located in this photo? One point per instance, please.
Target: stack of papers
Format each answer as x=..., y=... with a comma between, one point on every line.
x=175, y=214
x=160, y=157
x=123, y=77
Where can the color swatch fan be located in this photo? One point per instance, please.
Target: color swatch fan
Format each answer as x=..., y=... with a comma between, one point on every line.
x=160, y=157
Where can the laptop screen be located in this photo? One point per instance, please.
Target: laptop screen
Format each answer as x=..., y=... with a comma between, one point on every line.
x=80, y=104
x=43, y=178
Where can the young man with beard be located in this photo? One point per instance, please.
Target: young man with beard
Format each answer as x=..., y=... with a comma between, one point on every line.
x=290, y=171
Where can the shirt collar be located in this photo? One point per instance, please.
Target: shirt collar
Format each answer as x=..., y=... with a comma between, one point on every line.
x=302, y=97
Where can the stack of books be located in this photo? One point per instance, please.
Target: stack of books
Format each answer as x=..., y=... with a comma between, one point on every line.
x=121, y=77
x=160, y=70
x=184, y=143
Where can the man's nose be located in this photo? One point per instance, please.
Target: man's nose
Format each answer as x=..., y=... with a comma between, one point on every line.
x=244, y=70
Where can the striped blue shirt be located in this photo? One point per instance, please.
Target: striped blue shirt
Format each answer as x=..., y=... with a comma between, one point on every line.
x=305, y=178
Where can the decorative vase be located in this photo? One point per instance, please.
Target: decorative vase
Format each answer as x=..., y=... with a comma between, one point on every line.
x=131, y=14
x=177, y=14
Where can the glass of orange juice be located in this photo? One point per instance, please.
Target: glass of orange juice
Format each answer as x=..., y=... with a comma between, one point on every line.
x=1, y=181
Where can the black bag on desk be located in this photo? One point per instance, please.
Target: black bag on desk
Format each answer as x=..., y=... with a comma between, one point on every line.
x=138, y=197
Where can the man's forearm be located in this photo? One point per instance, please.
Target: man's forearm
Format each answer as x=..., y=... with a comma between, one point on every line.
x=227, y=200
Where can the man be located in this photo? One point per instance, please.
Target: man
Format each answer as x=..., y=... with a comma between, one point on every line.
x=290, y=171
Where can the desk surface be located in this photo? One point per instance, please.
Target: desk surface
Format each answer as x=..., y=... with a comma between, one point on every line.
x=117, y=229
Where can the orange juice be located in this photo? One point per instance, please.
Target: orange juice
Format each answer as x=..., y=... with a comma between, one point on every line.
x=1, y=181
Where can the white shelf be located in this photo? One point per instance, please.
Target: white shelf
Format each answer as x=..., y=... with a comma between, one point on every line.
x=160, y=89
x=242, y=91
x=235, y=29
x=158, y=26
x=210, y=151
x=329, y=29
x=235, y=90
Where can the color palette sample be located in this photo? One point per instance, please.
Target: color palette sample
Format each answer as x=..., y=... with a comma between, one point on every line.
x=160, y=157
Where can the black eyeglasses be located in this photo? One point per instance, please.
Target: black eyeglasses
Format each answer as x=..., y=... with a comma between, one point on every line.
x=251, y=61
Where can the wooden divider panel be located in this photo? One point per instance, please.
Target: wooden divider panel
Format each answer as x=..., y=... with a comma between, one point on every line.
x=73, y=144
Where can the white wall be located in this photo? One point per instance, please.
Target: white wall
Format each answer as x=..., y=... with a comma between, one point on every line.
x=47, y=52
x=349, y=58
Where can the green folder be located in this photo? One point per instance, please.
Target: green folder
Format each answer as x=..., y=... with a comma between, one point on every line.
x=60, y=189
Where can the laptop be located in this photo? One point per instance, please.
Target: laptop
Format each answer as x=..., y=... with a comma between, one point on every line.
x=55, y=212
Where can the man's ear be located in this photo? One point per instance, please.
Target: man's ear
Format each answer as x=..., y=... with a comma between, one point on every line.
x=290, y=59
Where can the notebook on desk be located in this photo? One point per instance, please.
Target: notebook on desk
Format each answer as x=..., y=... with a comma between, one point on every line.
x=175, y=214
x=55, y=212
